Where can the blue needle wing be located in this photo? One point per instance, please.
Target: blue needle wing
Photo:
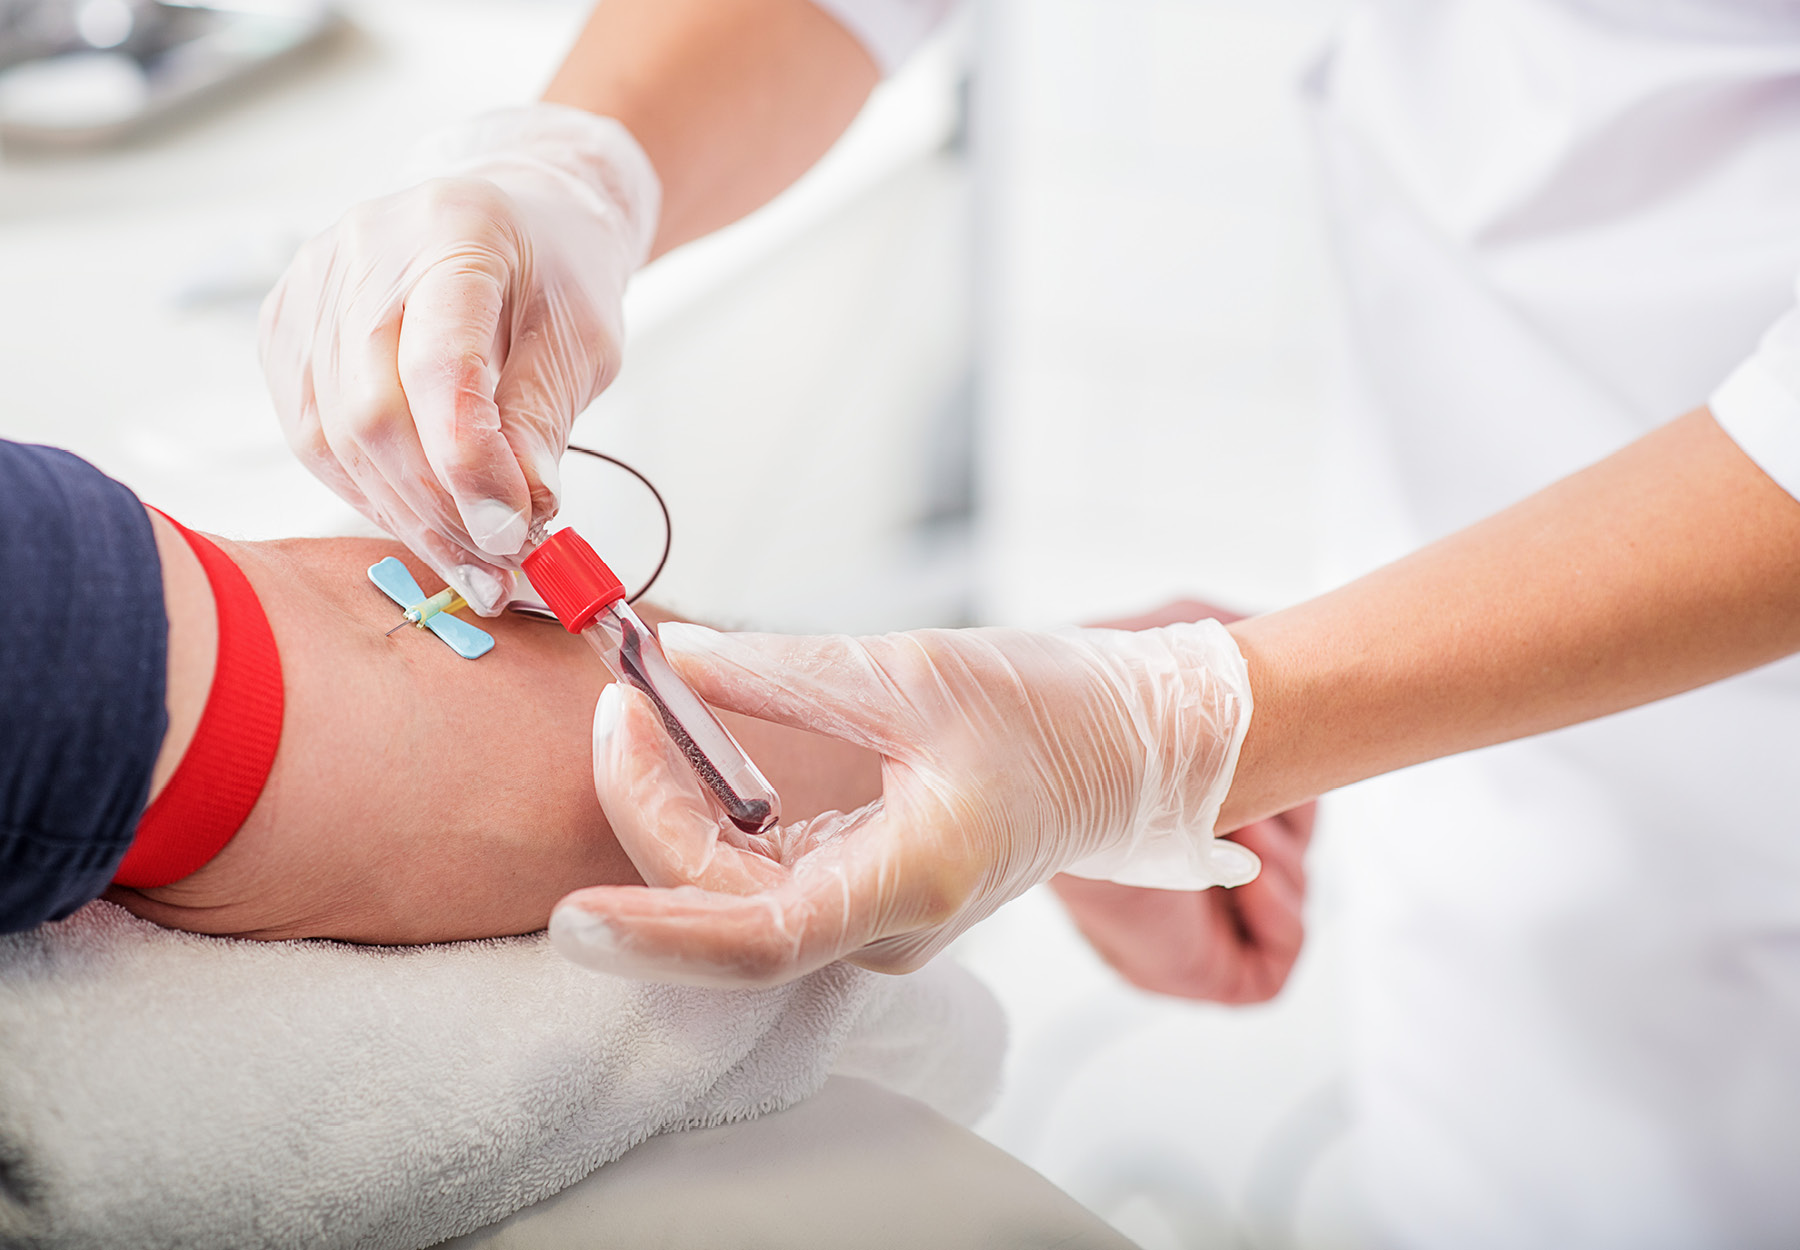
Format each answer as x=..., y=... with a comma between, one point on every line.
x=460, y=636
x=396, y=583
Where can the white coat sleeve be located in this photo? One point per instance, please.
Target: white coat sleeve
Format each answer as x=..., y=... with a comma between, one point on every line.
x=1759, y=404
x=889, y=29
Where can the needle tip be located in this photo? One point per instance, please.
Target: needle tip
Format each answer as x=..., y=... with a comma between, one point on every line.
x=396, y=628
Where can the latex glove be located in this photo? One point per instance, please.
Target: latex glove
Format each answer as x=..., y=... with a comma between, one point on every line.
x=1229, y=946
x=428, y=354
x=1007, y=756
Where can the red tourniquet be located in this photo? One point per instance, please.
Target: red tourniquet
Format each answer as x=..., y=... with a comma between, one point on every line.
x=220, y=778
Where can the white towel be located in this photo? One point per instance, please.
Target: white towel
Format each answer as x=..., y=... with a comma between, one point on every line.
x=164, y=1089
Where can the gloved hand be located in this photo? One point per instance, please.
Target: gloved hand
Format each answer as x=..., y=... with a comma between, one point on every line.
x=1228, y=946
x=1007, y=756
x=428, y=353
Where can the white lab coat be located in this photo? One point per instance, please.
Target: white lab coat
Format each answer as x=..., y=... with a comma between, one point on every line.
x=1576, y=995
x=1576, y=960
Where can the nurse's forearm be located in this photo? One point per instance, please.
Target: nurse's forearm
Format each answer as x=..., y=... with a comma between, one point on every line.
x=1671, y=564
x=732, y=99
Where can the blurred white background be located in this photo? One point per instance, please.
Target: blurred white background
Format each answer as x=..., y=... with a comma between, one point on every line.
x=1053, y=356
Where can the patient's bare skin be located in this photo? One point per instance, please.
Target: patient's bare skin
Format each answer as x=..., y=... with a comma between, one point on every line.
x=417, y=796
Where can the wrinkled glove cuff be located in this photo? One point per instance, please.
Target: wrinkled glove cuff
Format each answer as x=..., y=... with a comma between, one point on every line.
x=1187, y=690
x=595, y=157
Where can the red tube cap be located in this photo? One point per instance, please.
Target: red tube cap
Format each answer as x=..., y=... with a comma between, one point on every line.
x=574, y=580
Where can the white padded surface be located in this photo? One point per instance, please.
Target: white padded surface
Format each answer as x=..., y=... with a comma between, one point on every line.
x=854, y=1165
x=169, y=1091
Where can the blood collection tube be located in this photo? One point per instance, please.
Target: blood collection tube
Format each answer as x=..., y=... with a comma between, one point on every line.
x=589, y=600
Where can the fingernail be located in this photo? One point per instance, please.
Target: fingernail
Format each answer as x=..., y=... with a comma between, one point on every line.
x=548, y=467
x=686, y=636
x=496, y=528
x=484, y=591
x=606, y=713
x=582, y=937
x=1232, y=864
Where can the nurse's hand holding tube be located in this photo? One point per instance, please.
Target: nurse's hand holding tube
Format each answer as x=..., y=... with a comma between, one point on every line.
x=428, y=354
x=1007, y=756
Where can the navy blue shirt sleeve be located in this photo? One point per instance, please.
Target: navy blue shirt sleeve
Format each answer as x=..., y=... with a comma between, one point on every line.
x=83, y=661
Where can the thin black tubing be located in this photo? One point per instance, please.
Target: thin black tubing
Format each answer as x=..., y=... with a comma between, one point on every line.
x=668, y=525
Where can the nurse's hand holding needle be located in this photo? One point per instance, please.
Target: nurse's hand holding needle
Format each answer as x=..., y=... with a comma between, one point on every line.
x=428, y=354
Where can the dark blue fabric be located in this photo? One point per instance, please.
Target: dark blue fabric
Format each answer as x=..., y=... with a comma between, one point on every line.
x=83, y=656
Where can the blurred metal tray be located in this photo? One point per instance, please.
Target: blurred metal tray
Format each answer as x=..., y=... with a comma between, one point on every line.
x=95, y=73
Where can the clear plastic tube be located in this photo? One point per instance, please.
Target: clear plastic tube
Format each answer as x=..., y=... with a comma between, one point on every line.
x=630, y=650
x=588, y=598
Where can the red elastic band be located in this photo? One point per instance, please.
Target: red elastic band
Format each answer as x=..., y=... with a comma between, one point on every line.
x=220, y=778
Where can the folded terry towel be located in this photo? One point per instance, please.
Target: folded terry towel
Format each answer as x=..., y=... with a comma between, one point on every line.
x=165, y=1089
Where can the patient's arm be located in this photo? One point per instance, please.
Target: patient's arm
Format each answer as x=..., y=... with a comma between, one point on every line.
x=416, y=796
